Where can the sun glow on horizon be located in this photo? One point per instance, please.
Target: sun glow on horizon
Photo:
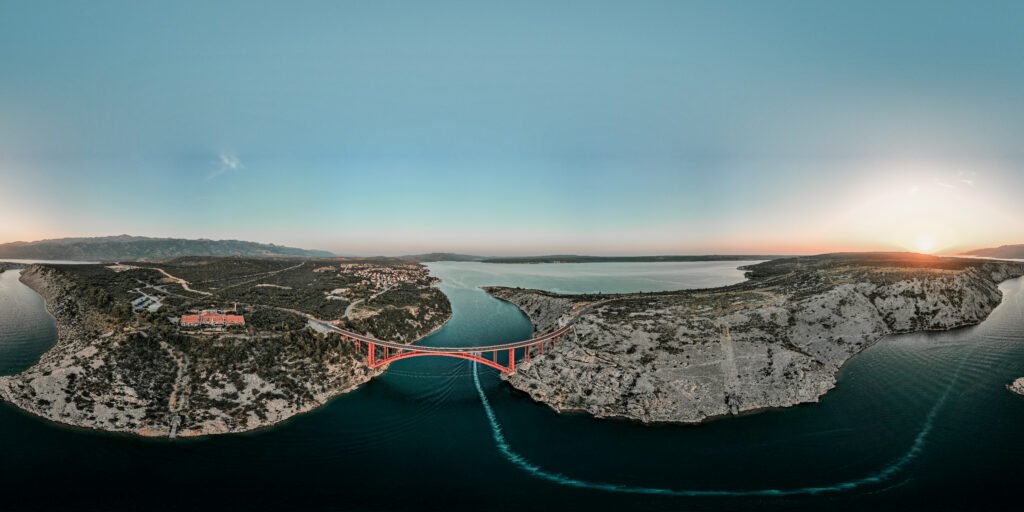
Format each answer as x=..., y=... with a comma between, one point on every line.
x=932, y=209
x=925, y=244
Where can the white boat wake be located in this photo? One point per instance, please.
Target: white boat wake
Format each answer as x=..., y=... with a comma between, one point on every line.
x=880, y=476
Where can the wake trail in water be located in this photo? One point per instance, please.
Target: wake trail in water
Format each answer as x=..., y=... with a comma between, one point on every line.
x=878, y=477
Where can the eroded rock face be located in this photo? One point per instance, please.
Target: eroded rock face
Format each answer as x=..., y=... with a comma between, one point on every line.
x=775, y=341
x=545, y=310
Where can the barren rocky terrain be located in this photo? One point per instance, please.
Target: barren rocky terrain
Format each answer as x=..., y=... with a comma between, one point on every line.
x=776, y=340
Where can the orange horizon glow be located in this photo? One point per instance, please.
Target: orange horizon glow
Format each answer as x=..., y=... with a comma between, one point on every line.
x=923, y=244
x=881, y=207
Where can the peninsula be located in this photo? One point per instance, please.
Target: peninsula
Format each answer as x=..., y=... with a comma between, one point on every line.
x=200, y=346
x=776, y=340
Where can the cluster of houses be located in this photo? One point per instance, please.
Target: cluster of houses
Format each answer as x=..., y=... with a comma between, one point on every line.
x=386, y=276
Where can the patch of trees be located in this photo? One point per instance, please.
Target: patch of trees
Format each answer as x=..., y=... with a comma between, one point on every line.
x=147, y=368
x=294, y=365
x=104, y=290
x=269, y=319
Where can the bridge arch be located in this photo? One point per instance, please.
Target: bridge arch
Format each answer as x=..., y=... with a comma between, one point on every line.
x=396, y=351
x=458, y=355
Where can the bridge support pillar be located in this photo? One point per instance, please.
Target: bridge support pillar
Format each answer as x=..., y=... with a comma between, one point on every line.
x=369, y=354
x=511, y=360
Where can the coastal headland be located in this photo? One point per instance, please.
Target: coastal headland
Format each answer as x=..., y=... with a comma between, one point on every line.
x=201, y=346
x=776, y=340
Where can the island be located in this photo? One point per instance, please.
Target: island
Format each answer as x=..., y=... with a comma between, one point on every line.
x=198, y=346
x=776, y=340
x=1017, y=386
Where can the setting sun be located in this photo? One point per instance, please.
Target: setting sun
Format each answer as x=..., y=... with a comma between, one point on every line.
x=925, y=244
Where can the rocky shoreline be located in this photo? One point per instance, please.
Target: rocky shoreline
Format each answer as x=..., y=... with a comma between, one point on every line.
x=1016, y=386
x=8, y=265
x=104, y=376
x=777, y=340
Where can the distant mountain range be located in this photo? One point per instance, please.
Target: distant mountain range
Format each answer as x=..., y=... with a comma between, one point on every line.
x=140, y=248
x=1014, y=252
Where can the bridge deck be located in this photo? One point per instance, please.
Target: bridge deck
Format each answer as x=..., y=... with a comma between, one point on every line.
x=447, y=350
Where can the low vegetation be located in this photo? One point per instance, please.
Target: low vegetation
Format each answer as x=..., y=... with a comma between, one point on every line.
x=115, y=368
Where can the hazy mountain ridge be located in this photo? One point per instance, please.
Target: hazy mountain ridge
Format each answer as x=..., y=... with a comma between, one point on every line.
x=1003, y=251
x=128, y=248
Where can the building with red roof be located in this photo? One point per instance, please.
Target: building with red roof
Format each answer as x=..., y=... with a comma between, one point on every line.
x=212, y=318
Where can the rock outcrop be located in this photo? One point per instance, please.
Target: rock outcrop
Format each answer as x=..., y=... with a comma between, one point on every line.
x=774, y=341
x=1017, y=386
x=544, y=309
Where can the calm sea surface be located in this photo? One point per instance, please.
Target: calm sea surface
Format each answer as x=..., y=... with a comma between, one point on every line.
x=918, y=422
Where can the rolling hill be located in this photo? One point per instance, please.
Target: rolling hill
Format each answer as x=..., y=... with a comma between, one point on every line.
x=1013, y=252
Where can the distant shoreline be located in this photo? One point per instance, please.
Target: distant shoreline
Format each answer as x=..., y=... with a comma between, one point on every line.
x=631, y=259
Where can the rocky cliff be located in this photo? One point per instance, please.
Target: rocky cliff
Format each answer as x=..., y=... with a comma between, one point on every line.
x=774, y=341
x=544, y=309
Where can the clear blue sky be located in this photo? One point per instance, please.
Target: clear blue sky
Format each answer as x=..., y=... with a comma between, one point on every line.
x=516, y=127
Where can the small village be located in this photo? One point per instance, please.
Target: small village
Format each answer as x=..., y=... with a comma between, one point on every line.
x=385, y=276
x=380, y=277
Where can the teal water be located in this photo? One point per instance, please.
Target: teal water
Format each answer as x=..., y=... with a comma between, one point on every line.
x=26, y=328
x=931, y=405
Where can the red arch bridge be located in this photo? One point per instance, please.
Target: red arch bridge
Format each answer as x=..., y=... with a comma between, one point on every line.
x=382, y=352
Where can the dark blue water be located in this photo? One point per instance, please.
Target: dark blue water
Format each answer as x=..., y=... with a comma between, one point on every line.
x=419, y=438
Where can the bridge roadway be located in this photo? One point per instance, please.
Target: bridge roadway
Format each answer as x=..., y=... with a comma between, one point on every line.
x=558, y=333
x=395, y=351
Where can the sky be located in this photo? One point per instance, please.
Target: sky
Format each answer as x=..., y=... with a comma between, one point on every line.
x=514, y=128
